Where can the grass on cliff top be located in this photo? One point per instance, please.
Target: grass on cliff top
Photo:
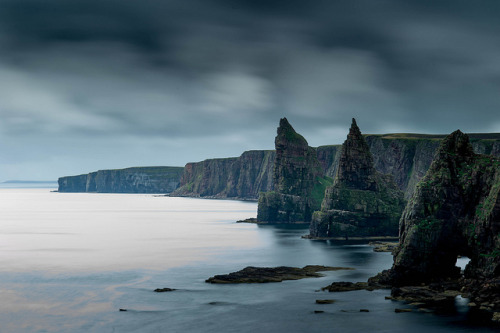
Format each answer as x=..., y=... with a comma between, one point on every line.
x=151, y=169
x=472, y=136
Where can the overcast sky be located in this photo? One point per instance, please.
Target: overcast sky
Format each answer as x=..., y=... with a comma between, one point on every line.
x=100, y=84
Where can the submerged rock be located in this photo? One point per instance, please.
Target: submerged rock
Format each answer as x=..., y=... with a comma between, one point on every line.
x=272, y=274
x=325, y=301
x=298, y=180
x=163, y=290
x=361, y=201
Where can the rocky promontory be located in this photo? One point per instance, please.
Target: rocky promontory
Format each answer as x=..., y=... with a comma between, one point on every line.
x=455, y=210
x=361, y=201
x=298, y=180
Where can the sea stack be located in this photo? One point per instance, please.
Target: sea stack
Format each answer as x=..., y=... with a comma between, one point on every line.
x=361, y=202
x=454, y=211
x=298, y=181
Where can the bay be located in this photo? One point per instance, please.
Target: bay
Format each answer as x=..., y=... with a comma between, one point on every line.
x=70, y=261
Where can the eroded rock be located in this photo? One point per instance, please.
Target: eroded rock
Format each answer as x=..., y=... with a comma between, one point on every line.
x=272, y=274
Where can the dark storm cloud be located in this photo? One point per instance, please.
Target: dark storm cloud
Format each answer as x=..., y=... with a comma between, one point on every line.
x=220, y=73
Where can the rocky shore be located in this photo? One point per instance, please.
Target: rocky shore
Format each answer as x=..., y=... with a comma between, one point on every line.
x=272, y=274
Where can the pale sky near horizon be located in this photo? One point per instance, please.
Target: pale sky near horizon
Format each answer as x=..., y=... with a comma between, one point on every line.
x=104, y=84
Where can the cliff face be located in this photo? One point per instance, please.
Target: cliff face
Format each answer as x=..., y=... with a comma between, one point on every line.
x=361, y=201
x=455, y=210
x=130, y=180
x=298, y=182
x=238, y=178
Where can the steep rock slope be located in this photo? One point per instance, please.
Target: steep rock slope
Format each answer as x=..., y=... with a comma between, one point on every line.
x=130, y=180
x=298, y=182
x=455, y=210
x=361, y=201
x=241, y=177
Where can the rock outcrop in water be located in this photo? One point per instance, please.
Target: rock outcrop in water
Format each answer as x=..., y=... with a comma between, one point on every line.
x=272, y=274
x=298, y=182
x=361, y=201
x=130, y=180
x=241, y=177
x=455, y=210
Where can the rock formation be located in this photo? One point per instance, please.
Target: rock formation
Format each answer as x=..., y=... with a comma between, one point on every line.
x=241, y=177
x=455, y=210
x=298, y=182
x=361, y=201
x=130, y=180
x=252, y=274
x=406, y=157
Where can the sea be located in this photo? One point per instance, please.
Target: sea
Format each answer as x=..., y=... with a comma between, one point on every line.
x=90, y=262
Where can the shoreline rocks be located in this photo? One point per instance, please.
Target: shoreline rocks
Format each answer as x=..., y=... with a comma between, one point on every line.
x=252, y=274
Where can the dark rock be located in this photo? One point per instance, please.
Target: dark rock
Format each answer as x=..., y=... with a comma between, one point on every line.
x=272, y=274
x=361, y=201
x=123, y=310
x=163, y=290
x=402, y=310
x=347, y=286
x=364, y=310
x=325, y=301
x=319, y=311
x=298, y=181
x=384, y=246
x=454, y=211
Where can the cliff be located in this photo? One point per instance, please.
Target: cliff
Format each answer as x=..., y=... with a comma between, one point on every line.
x=241, y=177
x=298, y=181
x=455, y=210
x=361, y=201
x=130, y=180
x=406, y=157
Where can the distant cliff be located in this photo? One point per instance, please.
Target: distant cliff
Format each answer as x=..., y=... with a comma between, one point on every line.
x=241, y=177
x=130, y=180
x=406, y=157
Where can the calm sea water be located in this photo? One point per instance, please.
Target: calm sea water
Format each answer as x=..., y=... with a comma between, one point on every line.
x=69, y=262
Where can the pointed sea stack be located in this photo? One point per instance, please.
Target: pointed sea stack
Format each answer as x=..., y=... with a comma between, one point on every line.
x=361, y=202
x=298, y=181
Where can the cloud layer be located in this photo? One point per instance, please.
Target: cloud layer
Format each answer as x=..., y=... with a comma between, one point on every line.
x=93, y=84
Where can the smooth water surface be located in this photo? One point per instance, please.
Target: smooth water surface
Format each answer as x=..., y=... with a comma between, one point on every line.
x=70, y=261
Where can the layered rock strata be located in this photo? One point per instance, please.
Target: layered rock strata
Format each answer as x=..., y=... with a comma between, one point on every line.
x=298, y=182
x=361, y=201
x=455, y=210
x=130, y=180
x=241, y=177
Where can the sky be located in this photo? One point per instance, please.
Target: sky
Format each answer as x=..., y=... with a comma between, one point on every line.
x=102, y=84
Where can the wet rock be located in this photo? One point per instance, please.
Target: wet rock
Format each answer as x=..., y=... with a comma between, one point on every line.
x=384, y=246
x=272, y=274
x=123, y=310
x=364, y=310
x=163, y=290
x=319, y=311
x=347, y=286
x=325, y=301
